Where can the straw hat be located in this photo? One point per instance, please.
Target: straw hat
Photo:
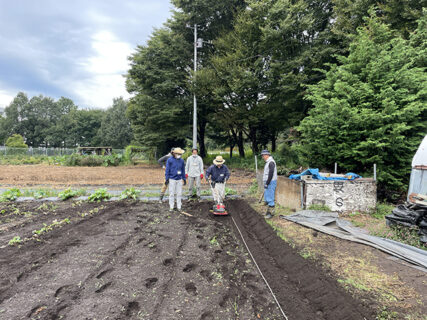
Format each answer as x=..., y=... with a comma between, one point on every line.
x=178, y=150
x=218, y=160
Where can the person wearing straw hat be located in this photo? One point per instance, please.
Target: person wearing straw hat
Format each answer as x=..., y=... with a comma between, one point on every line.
x=219, y=173
x=175, y=178
x=269, y=180
x=162, y=161
x=194, y=172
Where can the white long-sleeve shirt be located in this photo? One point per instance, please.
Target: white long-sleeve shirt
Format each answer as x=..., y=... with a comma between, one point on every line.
x=194, y=166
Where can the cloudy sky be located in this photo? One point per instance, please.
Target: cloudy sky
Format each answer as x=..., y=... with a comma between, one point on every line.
x=77, y=49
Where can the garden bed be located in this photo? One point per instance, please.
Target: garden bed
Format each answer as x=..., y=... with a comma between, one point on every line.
x=124, y=260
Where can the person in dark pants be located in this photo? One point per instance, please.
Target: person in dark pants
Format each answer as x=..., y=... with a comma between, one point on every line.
x=269, y=180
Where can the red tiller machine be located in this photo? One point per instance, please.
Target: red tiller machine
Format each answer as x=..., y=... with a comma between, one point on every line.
x=218, y=208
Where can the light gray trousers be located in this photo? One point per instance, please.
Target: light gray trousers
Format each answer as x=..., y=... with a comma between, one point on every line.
x=194, y=181
x=175, y=188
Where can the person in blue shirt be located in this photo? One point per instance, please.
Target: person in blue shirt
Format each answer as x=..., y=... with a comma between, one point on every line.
x=219, y=173
x=175, y=178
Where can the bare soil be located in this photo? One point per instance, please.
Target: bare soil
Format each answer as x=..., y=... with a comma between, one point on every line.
x=398, y=288
x=58, y=176
x=135, y=260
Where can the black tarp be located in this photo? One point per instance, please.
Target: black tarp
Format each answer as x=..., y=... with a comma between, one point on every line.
x=410, y=215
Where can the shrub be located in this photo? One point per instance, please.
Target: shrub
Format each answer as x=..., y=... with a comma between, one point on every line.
x=67, y=194
x=10, y=195
x=130, y=193
x=99, y=195
x=16, y=141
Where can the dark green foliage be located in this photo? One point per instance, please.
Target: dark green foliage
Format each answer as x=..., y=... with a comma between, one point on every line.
x=371, y=108
x=115, y=130
x=45, y=122
x=159, y=111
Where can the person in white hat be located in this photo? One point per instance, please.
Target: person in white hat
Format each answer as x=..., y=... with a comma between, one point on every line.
x=194, y=170
x=219, y=173
x=175, y=178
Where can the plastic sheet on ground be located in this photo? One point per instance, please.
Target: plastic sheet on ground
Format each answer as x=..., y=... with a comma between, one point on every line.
x=328, y=222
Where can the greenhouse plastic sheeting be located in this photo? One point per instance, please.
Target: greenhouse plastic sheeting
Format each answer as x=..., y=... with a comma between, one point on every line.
x=328, y=222
x=420, y=157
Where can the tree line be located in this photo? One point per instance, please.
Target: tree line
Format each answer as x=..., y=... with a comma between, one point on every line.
x=42, y=121
x=337, y=80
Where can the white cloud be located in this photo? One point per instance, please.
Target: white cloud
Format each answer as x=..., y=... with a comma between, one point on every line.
x=77, y=49
x=105, y=70
x=5, y=98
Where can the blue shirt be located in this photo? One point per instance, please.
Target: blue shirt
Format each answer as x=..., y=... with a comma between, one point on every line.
x=218, y=174
x=175, y=169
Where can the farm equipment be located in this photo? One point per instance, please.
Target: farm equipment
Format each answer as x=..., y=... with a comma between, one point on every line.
x=218, y=208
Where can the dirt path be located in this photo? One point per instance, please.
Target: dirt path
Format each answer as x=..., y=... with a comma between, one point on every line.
x=58, y=176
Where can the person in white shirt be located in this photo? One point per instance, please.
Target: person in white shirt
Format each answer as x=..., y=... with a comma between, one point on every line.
x=194, y=172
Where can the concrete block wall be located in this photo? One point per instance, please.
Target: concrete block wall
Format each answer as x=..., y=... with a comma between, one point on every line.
x=340, y=196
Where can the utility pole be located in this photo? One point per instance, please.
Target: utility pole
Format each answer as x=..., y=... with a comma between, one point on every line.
x=195, y=99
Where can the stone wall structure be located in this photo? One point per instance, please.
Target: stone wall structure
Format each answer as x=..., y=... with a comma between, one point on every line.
x=338, y=195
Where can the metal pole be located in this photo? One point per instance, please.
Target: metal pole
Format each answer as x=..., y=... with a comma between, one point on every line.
x=302, y=194
x=335, y=170
x=256, y=166
x=375, y=172
x=195, y=100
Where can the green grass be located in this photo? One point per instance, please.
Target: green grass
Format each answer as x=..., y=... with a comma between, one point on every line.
x=253, y=189
x=40, y=193
x=382, y=210
x=319, y=207
x=401, y=234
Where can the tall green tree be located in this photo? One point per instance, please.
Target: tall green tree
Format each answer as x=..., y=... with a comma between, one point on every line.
x=3, y=132
x=240, y=72
x=371, y=108
x=82, y=127
x=161, y=76
x=115, y=127
x=159, y=110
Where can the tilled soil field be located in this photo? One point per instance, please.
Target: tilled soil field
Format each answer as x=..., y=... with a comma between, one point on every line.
x=135, y=260
x=58, y=176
